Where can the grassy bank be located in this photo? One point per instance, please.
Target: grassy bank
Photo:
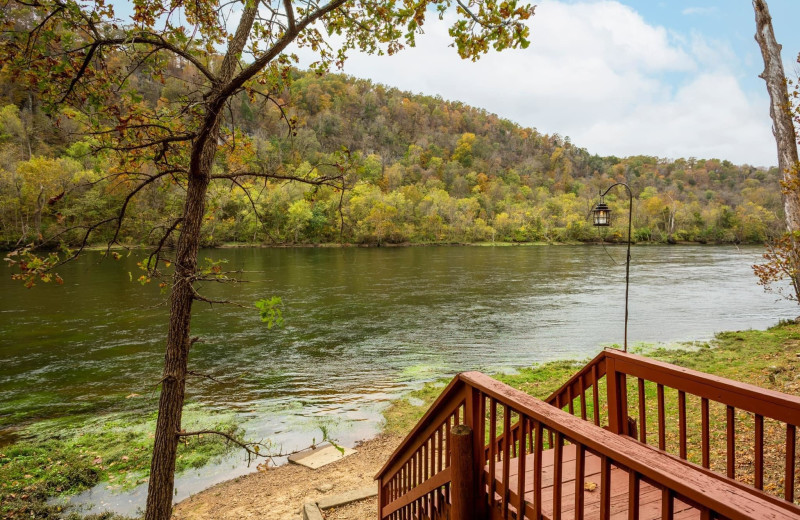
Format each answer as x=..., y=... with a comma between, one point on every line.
x=766, y=358
x=65, y=456
x=62, y=456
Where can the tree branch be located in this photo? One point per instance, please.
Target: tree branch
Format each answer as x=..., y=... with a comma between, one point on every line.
x=258, y=64
x=129, y=197
x=289, y=13
x=144, y=39
x=160, y=247
x=318, y=181
x=206, y=376
x=253, y=449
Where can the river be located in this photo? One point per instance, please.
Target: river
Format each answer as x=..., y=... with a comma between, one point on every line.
x=362, y=326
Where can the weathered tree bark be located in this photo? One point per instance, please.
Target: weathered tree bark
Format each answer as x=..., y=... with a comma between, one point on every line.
x=204, y=149
x=170, y=407
x=173, y=389
x=779, y=110
x=783, y=127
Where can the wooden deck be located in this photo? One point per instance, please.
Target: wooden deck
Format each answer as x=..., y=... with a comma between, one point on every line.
x=591, y=450
x=650, y=497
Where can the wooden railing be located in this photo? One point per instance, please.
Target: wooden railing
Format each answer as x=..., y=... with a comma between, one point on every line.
x=714, y=422
x=415, y=482
x=516, y=434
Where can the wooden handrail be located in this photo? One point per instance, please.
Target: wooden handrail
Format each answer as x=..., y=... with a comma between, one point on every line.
x=586, y=375
x=714, y=493
x=414, y=482
x=454, y=390
x=744, y=396
x=419, y=469
x=703, y=489
x=736, y=396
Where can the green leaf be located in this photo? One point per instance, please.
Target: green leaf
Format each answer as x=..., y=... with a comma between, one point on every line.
x=270, y=311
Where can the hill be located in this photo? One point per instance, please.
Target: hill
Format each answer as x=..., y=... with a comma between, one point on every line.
x=419, y=169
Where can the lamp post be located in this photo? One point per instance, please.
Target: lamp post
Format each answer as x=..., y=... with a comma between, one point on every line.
x=601, y=217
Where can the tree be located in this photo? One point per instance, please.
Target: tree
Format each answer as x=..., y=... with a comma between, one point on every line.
x=786, y=141
x=300, y=215
x=80, y=54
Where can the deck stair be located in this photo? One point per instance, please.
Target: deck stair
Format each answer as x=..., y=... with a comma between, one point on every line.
x=625, y=437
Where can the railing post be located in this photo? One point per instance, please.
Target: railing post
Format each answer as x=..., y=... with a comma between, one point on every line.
x=463, y=491
x=616, y=421
x=475, y=419
x=380, y=498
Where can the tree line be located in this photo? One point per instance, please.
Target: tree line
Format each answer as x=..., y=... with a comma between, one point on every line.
x=419, y=169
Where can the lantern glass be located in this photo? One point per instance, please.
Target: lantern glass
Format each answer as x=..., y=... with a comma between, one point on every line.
x=601, y=214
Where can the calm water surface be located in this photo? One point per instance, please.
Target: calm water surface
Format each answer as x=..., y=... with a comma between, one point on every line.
x=362, y=327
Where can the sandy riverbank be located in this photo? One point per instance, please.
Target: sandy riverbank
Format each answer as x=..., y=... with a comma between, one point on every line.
x=279, y=493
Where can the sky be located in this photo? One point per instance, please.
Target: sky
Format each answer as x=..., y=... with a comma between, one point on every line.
x=668, y=78
x=675, y=78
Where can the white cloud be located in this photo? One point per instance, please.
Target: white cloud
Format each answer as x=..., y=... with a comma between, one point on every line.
x=602, y=75
x=699, y=10
x=708, y=117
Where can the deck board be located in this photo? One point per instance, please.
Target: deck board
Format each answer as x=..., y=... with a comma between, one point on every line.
x=649, y=496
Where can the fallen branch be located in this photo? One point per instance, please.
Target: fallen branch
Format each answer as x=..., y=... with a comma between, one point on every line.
x=253, y=449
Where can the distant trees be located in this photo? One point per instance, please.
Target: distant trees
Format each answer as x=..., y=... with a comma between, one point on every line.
x=504, y=182
x=512, y=190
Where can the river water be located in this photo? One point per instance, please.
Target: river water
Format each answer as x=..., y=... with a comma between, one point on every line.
x=362, y=326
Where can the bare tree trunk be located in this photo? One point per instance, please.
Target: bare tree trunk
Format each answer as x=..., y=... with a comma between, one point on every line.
x=170, y=406
x=779, y=110
x=783, y=127
x=37, y=220
x=173, y=383
x=25, y=128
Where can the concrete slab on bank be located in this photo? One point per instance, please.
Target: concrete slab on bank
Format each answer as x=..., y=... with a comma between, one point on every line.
x=313, y=510
x=321, y=456
x=346, y=498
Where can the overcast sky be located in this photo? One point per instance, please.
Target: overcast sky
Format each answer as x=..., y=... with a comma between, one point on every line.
x=671, y=78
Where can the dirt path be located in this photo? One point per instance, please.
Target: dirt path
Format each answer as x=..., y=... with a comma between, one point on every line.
x=279, y=493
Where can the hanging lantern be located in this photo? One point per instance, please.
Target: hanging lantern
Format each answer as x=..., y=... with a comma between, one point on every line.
x=601, y=214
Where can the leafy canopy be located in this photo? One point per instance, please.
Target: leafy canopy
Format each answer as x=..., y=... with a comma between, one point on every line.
x=152, y=93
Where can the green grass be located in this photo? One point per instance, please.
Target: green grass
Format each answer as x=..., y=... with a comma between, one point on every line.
x=65, y=456
x=768, y=358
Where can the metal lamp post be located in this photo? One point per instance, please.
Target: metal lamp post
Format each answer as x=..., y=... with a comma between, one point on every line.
x=601, y=217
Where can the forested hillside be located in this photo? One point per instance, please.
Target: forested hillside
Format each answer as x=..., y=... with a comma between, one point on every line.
x=419, y=169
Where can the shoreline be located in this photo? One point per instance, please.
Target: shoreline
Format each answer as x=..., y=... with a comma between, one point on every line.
x=768, y=358
x=387, y=245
